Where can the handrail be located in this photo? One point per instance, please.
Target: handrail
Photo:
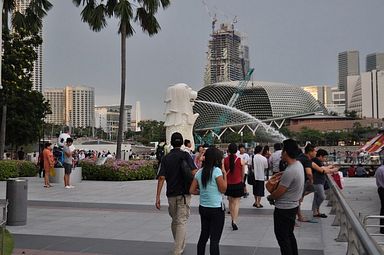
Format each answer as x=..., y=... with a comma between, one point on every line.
x=3, y=222
x=351, y=229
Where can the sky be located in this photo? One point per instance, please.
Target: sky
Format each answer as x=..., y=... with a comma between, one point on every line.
x=295, y=42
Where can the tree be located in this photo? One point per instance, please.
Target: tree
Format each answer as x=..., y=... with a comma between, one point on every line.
x=95, y=13
x=151, y=131
x=23, y=126
x=30, y=21
x=350, y=114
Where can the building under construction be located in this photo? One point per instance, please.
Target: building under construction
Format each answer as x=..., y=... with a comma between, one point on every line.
x=228, y=57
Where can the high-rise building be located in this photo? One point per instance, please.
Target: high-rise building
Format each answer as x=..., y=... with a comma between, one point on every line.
x=375, y=61
x=72, y=106
x=80, y=106
x=37, y=74
x=367, y=94
x=348, y=65
x=55, y=97
x=228, y=57
x=107, y=118
x=137, y=116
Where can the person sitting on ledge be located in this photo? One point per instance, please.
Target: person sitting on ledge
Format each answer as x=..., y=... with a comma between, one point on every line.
x=360, y=171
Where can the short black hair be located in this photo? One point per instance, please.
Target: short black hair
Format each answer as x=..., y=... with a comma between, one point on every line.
x=176, y=140
x=232, y=148
x=69, y=140
x=291, y=148
x=277, y=146
x=321, y=152
x=258, y=149
x=309, y=148
x=186, y=142
x=241, y=146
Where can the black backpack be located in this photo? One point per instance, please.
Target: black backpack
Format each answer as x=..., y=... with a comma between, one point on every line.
x=186, y=173
x=159, y=152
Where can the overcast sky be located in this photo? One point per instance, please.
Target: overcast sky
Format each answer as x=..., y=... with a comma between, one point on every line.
x=292, y=41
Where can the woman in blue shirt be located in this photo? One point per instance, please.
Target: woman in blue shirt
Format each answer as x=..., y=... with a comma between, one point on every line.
x=210, y=182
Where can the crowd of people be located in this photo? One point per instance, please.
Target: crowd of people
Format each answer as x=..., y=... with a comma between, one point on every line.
x=295, y=174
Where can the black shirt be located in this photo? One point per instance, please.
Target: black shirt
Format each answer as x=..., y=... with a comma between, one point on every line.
x=305, y=161
x=318, y=178
x=170, y=169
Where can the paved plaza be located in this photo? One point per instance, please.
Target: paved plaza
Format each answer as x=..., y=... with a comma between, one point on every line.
x=100, y=217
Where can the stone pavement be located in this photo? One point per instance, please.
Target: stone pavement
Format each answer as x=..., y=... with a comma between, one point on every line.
x=120, y=218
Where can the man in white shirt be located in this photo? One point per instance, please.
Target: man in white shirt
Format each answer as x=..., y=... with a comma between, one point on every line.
x=260, y=163
x=274, y=159
x=244, y=156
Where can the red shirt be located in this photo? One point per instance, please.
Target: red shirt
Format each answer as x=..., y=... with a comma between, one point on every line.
x=236, y=175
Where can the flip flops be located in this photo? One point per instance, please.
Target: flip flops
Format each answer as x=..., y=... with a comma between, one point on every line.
x=320, y=215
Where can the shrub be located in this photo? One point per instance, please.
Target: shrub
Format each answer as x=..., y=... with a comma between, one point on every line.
x=16, y=168
x=118, y=170
x=26, y=168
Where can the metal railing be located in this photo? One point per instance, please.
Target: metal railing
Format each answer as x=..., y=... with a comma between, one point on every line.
x=351, y=229
x=368, y=225
x=3, y=222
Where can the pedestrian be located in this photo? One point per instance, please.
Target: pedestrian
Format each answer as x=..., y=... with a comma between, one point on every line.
x=178, y=198
x=267, y=154
x=379, y=175
x=210, y=182
x=21, y=154
x=68, y=161
x=275, y=158
x=260, y=164
x=286, y=190
x=199, y=157
x=49, y=162
x=40, y=163
x=319, y=180
x=245, y=157
x=234, y=166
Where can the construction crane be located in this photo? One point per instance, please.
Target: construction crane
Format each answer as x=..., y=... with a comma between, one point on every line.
x=213, y=18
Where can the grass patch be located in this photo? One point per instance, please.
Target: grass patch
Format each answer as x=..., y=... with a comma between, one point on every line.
x=9, y=243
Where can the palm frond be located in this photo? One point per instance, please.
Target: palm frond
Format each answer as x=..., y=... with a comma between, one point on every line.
x=148, y=21
x=123, y=11
x=129, y=31
x=18, y=21
x=111, y=5
x=95, y=16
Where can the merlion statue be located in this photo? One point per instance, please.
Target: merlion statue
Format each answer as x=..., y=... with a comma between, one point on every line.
x=179, y=116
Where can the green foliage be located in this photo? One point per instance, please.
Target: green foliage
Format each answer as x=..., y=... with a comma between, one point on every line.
x=26, y=168
x=8, y=169
x=16, y=168
x=25, y=108
x=9, y=243
x=311, y=135
x=118, y=170
x=151, y=131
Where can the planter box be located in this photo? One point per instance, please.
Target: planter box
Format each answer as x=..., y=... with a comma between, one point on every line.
x=75, y=177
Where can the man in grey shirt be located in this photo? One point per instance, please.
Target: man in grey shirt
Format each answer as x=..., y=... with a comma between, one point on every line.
x=67, y=149
x=286, y=190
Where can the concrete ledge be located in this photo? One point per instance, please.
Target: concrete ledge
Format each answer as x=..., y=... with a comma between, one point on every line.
x=76, y=175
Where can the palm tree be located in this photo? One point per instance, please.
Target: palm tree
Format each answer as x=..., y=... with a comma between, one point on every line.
x=141, y=11
x=30, y=20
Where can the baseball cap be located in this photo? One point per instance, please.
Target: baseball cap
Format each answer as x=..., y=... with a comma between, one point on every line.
x=177, y=139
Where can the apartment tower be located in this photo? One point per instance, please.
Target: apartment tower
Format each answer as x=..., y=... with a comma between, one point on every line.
x=37, y=75
x=348, y=66
x=375, y=61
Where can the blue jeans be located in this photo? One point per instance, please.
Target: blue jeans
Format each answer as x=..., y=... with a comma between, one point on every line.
x=212, y=223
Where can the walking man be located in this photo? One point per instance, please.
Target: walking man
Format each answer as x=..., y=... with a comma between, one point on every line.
x=68, y=151
x=179, y=199
x=286, y=190
x=380, y=189
x=260, y=164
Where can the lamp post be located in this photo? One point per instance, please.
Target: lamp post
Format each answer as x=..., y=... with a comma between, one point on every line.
x=4, y=112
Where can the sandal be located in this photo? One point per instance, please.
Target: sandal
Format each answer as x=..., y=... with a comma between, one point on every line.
x=320, y=215
x=46, y=186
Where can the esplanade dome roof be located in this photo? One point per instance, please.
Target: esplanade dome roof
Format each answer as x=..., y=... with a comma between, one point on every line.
x=258, y=100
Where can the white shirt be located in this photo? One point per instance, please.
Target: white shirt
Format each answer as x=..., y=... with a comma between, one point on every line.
x=260, y=163
x=274, y=160
x=245, y=158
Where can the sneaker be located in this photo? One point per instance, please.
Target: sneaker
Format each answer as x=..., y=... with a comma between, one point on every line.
x=71, y=187
x=67, y=187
